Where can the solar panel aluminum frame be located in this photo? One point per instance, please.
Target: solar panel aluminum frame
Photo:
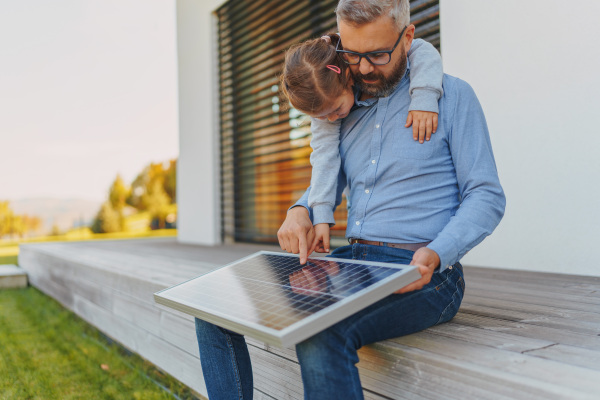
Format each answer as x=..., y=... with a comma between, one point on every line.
x=309, y=325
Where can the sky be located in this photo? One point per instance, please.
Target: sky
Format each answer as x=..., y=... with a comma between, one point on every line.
x=88, y=89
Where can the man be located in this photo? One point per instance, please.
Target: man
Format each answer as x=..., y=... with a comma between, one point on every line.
x=410, y=203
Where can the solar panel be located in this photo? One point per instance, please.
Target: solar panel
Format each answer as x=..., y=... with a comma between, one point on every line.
x=272, y=297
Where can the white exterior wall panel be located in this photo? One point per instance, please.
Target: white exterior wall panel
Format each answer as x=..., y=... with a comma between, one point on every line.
x=534, y=66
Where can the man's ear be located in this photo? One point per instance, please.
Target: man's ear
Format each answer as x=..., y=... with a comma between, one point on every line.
x=410, y=35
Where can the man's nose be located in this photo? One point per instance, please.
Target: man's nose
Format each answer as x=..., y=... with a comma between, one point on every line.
x=365, y=67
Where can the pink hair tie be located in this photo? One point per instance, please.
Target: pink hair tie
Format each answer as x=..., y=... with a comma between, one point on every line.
x=335, y=68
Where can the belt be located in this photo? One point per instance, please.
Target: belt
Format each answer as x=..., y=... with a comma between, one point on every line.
x=405, y=246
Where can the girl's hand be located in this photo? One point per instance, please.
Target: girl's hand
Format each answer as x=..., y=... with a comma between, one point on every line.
x=320, y=243
x=424, y=123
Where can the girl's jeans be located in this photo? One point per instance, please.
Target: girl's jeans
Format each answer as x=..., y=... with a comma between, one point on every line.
x=328, y=359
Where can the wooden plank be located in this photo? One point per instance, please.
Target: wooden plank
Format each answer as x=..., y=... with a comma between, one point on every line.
x=497, y=339
x=539, y=309
x=289, y=353
x=530, y=331
x=138, y=313
x=542, y=292
x=180, y=332
x=11, y=277
x=566, y=354
x=276, y=376
x=569, y=355
x=412, y=374
x=535, y=372
x=565, y=324
x=258, y=395
x=527, y=299
x=167, y=357
x=548, y=279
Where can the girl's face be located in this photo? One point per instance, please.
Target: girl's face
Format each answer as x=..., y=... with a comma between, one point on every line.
x=339, y=108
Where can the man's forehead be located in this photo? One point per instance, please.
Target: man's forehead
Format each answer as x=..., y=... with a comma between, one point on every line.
x=374, y=36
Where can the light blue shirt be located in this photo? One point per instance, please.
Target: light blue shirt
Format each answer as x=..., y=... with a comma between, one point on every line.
x=445, y=191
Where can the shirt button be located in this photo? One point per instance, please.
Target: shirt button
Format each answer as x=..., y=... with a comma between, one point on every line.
x=367, y=191
x=377, y=126
x=357, y=222
x=372, y=161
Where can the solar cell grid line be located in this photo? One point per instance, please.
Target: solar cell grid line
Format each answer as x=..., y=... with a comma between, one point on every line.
x=272, y=297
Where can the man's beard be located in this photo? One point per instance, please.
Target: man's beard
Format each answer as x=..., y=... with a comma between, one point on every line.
x=385, y=86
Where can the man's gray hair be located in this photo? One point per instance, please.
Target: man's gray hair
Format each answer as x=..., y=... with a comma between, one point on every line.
x=360, y=12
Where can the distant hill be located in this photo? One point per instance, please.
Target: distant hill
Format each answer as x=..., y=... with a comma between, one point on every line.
x=66, y=213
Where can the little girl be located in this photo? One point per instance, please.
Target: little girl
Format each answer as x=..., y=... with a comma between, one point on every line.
x=318, y=82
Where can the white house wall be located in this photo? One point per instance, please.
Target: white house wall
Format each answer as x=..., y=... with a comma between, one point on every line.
x=198, y=171
x=534, y=66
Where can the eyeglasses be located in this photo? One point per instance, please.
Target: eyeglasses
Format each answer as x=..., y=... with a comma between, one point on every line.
x=374, y=57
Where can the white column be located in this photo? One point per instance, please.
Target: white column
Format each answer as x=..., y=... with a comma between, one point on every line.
x=198, y=169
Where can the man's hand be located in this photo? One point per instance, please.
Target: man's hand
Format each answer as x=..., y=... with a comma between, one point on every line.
x=296, y=233
x=320, y=243
x=427, y=260
x=424, y=123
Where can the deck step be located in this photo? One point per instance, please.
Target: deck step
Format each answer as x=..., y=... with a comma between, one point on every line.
x=518, y=336
x=11, y=276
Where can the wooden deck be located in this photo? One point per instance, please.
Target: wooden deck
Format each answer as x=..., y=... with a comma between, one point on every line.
x=518, y=335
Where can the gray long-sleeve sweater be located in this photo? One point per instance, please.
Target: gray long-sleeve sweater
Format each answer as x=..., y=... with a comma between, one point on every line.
x=425, y=90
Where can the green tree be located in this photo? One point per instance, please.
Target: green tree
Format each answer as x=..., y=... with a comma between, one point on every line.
x=6, y=217
x=107, y=220
x=118, y=194
x=138, y=189
x=157, y=202
x=18, y=227
x=55, y=231
x=32, y=223
x=171, y=181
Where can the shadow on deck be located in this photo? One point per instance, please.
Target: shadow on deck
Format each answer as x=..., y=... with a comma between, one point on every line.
x=518, y=335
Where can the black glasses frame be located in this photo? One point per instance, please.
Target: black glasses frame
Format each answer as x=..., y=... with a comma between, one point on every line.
x=370, y=53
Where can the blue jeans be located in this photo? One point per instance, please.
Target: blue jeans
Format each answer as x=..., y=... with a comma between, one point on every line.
x=328, y=359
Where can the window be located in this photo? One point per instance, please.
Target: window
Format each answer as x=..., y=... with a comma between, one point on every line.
x=265, y=145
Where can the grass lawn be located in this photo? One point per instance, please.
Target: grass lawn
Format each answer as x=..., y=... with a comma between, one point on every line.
x=47, y=352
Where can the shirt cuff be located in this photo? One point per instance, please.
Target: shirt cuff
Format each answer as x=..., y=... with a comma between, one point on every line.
x=446, y=249
x=310, y=213
x=323, y=214
x=423, y=99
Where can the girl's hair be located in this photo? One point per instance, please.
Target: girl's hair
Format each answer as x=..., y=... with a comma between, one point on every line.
x=307, y=81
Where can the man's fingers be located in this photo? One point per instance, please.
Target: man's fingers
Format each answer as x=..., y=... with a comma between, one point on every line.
x=419, y=283
x=303, y=249
x=285, y=244
x=435, y=123
x=281, y=239
x=416, y=285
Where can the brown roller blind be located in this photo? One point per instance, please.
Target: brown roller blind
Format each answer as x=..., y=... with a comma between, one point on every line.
x=265, y=149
